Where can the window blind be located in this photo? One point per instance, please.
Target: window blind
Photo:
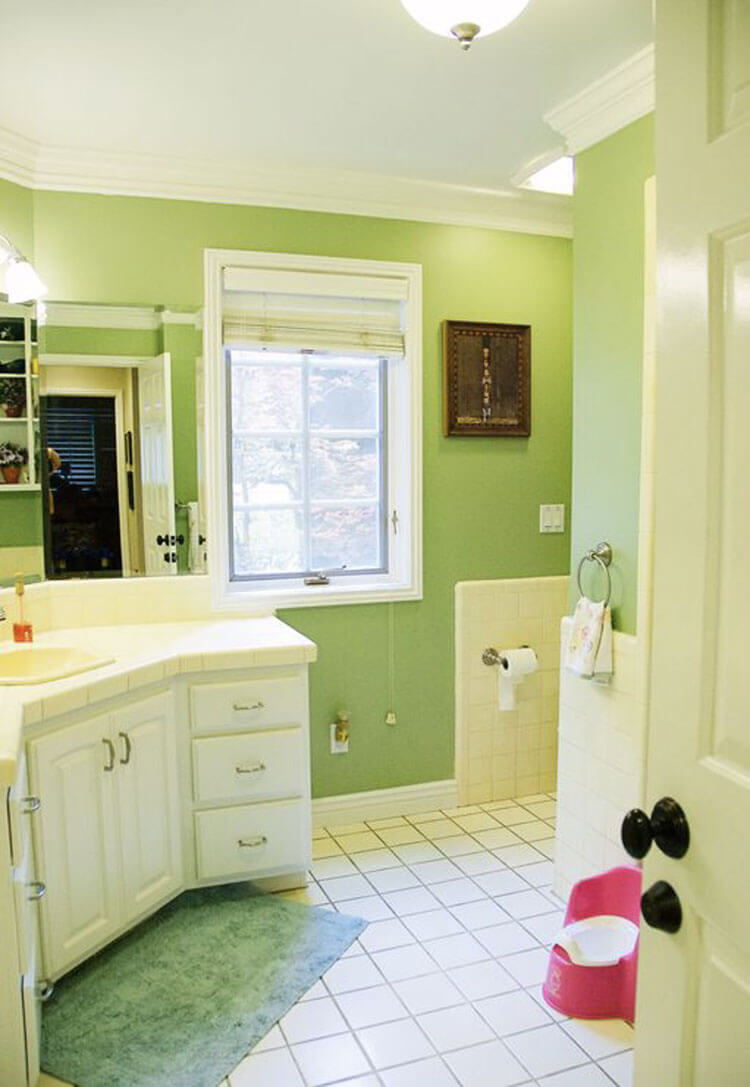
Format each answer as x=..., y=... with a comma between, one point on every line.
x=314, y=310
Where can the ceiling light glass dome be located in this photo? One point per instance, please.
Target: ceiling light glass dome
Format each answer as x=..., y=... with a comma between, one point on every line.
x=464, y=19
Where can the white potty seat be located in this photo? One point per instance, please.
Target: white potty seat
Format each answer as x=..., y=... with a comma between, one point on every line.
x=598, y=941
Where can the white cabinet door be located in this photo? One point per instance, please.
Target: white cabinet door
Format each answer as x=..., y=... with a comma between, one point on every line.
x=73, y=772
x=148, y=804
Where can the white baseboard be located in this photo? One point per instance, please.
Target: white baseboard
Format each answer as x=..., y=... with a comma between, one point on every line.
x=384, y=803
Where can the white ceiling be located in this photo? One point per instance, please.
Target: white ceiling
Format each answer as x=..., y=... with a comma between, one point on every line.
x=290, y=85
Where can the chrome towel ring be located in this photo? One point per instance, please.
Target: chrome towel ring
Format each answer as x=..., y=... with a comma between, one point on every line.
x=601, y=554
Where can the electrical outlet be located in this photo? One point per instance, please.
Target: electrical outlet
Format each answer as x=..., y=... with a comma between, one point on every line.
x=338, y=748
x=552, y=518
x=390, y=717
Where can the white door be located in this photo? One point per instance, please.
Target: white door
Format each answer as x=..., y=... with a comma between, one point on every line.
x=149, y=812
x=693, y=1012
x=72, y=771
x=157, y=470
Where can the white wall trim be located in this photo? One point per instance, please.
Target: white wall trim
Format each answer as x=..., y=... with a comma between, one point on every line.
x=75, y=315
x=384, y=803
x=232, y=182
x=114, y=361
x=607, y=105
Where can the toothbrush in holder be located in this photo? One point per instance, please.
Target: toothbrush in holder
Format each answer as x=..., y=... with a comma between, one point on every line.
x=22, y=631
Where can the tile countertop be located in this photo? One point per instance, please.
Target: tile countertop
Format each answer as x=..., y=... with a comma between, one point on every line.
x=143, y=654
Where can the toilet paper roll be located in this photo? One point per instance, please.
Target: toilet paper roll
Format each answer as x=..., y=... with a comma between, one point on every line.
x=517, y=663
x=514, y=665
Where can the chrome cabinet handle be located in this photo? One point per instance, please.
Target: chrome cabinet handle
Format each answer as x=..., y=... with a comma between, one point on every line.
x=256, y=768
x=44, y=989
x=37, y=890
x=252, y=843
x=30, y=804
x=128, y=748
x=111, y=752
x=239, y=708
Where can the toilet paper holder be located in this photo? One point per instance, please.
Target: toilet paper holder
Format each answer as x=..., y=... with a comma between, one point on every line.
x=491, y=656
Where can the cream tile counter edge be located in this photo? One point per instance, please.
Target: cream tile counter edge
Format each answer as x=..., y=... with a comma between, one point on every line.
x=142, y=655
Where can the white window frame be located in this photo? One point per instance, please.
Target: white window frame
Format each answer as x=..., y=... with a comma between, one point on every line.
x=403, y=580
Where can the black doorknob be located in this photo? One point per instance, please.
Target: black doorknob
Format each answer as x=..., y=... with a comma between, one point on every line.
x=661, y=907
x=668, y=827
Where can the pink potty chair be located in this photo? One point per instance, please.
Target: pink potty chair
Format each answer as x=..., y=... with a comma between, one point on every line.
x=592, y=969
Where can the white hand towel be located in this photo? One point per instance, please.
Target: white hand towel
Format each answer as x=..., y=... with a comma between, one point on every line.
x=589, y=650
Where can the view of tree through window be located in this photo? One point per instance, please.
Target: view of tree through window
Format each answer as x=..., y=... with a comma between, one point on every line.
x=308, y=463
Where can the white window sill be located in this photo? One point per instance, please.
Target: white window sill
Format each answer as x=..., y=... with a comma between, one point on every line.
x=313, y=596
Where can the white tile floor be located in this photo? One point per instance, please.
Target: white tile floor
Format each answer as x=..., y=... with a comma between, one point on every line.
x=443, y=989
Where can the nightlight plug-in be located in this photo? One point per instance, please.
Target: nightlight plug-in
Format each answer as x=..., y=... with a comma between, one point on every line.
x=390, y=717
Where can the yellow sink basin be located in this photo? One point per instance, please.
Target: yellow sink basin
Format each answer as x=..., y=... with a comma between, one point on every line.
x=21, y=664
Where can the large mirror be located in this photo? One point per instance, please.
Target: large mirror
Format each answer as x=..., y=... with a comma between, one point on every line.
x=109, y=441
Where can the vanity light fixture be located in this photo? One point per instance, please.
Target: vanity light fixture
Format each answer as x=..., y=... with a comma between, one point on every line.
x=464, y=20
x=22, y=284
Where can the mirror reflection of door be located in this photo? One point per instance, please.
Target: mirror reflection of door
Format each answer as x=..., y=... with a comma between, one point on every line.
x=86, y=527
x=157, y=475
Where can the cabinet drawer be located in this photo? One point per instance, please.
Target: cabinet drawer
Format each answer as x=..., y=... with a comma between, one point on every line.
x=248, y=704
x=274, y=838
x=256, y=765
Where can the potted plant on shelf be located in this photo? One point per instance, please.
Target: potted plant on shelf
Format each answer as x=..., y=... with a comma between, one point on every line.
x=13, y=397
x=12, y=459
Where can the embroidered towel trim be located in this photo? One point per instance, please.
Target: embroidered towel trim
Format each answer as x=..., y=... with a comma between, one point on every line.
x=589, y=650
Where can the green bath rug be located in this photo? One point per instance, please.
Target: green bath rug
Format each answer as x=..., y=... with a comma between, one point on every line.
x=181, y=999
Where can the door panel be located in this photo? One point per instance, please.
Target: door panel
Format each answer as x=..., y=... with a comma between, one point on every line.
x=149, y=816
x=694, y=987
x=75, y=841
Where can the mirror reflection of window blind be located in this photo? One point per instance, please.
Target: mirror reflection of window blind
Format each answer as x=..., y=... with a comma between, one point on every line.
x=71, y=432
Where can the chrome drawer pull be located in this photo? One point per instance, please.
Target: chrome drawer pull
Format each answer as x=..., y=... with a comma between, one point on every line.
x=44, y=989
x=39, y=891
x=239, y=708
x=252, y=843
x=30, y=804
x=256, y=768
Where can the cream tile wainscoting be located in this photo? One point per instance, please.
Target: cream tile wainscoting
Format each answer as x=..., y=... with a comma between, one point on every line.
x=501, y=755
x=600, y=763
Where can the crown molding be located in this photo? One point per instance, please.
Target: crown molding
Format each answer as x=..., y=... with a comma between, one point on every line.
x=607, y=105
x=337, y=191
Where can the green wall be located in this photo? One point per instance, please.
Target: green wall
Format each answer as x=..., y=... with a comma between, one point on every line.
x=608, y=255
x=481, y=495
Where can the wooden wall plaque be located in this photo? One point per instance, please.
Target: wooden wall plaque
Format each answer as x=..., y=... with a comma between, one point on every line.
x=487, y=379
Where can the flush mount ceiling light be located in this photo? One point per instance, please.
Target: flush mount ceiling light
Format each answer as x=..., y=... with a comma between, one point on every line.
x=557, y=176
x=22, y=284
x=464, y=19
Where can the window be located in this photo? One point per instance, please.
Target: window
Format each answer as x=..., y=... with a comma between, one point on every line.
x=314, y=379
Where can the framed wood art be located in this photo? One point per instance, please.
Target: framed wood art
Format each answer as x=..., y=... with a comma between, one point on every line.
x=487, y=379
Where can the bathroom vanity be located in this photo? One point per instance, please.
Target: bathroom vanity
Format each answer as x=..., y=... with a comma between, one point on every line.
x=183, y=763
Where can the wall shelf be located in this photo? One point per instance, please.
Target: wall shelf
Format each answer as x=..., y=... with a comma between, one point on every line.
x=22, y=430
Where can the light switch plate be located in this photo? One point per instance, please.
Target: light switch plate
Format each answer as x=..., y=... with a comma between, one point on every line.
x=552, y=518
x=336, y=747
